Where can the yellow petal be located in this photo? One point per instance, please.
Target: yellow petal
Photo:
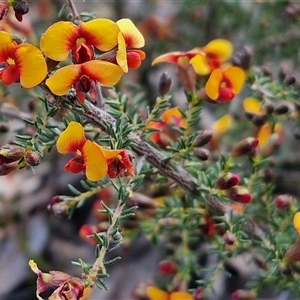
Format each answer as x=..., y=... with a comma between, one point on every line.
x=106, y=73
x=6, y=46
x=220, y=47
x=109, y=154
x=59, y=39
x=181, y=296
x=63, y=79
x=213, y=84
x=253, y=106
x=199, y=62
x=222, y=125
x=122, y=53
x=101, y=33
x=170, y=57
x=296, y=221
x=31, y=64
x=264, y=134
x=236, y=76
x=132, y=36
x=71, y=139
x=95, y=162
x=156, y=294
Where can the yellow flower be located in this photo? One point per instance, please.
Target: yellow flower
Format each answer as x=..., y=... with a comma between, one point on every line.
x=224, y=85
x=20, y=62
x=155, y=293
x=91, y=158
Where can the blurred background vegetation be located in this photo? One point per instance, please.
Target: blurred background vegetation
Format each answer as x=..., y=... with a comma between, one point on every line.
x=27, y=229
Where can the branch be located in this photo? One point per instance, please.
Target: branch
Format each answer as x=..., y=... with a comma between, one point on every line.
x=100, y=118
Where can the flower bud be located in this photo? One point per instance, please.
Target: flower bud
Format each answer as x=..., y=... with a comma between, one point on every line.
x=290, y=80
x=164, y=84
x=281, y=109
x=203, y=138
x=229, y=238
x=201, y=153
x=259, y=120
x=32, y=158
x=4, y=127
x=227, y=181
x=283, y=201
x=239, y=194
x=21, y=7
x=187, y=77
x=10, y=153
x=269, y=107
x=266, y=71
x=246, y=146
x=6, y=168
x=57, y=206
x=293, y=253
x=167, y=267
x=243, y=295
x=281, y=74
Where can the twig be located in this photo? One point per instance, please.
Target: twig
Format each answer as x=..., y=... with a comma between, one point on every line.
x=73, y=9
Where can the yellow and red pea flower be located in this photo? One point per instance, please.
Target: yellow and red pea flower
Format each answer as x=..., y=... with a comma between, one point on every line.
x=204, y=60
x=129, y=40
x=155, y=293
x=170, y=117
x=20, y=62
x=91, y=158
x=66, y=36
x=84, y=77
x=224, y=85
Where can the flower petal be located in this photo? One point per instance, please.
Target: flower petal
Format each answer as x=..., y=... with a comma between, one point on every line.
x=7, y=46
x=122, y=53
x=170, y=57
x=181, y=296
x=59, y=39
x=134, y=58
x=220, y=47
x=222, y=125
x=156, y=294
x=106, y=73
x=95, y=162
x=253, y=106
x=31, y=64
x=71, y=139
x=63, y=79
x=133, y=37
x=296, y=221
x=213, y=84
x=200, y=64
x=10, y=74
x=110, y=153
x=101, y=33
x=237, y=78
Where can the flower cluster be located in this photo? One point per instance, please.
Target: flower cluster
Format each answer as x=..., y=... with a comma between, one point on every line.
x=117, y=40
x=91, y=158
x=224, y=82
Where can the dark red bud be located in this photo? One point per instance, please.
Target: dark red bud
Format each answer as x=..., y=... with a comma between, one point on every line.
x=164, y=84
x=203, y=138
x=239, y=194
x=21, y=7
x=283, y=201
x=201, y=153
x=293, y=253
x=227, y=181
x=281, y=109
x=167, y=267
x=229, y=238
x=246, y=146
x=32, y=158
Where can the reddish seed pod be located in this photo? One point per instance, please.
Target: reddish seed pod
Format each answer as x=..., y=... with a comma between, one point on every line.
x=227, y=181
x=239, y=194
x=246, y=146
